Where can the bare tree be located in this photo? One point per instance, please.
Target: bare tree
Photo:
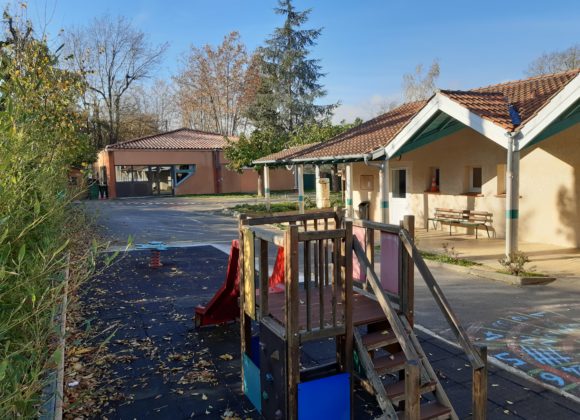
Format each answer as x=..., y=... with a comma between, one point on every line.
x=214, y=86
x=156, y=100
x=417, y=85
x=555, y=62
x=111, y=55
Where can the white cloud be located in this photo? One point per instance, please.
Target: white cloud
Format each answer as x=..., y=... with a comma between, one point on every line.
x=366, y=109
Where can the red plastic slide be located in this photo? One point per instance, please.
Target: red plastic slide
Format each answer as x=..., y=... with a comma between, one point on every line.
x=223, y=307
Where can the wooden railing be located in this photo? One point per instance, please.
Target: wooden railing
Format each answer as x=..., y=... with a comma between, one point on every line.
x=409, y=258
x=477, y=355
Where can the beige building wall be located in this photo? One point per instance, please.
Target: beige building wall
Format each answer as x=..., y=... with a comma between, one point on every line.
x=453, y=155
x=203, y=181
x=549, y=184
x=550, y=190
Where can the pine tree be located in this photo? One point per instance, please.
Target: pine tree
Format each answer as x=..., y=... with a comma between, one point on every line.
x=290, y=78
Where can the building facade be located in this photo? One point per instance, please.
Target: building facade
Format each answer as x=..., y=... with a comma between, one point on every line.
x=178, y=162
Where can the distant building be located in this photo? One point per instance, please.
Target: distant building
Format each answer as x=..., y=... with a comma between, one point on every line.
x=177, y=162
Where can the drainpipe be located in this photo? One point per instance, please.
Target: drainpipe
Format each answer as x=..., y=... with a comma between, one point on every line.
x=512, y=194
x=267, y=186
x=383, y=185
x=300, y=176
x=349, y=212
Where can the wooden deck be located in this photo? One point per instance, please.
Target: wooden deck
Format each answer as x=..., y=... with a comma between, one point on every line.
x=364, y=311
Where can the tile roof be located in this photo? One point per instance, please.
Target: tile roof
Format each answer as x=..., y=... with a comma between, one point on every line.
x=286, y=154
x=528, y=96
x=180, y=139
x=364, y=138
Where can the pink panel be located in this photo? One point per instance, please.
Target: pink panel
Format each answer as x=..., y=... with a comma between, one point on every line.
x=390, y=262
x=357, y=273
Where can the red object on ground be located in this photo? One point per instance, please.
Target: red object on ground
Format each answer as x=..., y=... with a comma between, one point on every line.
x=155, y=259
x=223, y=307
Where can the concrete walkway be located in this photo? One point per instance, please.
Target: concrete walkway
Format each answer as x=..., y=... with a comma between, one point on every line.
x=548, y=259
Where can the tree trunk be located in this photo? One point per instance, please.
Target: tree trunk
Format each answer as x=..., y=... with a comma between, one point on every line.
x=260, y=182
x=335, y=180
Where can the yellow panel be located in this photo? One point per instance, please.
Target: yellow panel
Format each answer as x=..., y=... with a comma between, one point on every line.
x=249, y=275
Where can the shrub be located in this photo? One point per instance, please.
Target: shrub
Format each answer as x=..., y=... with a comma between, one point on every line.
x=515, y=263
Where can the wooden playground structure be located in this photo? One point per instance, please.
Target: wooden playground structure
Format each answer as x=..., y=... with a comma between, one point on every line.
x=333, y=292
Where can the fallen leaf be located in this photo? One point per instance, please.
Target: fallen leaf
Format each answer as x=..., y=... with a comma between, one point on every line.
x=226, y=356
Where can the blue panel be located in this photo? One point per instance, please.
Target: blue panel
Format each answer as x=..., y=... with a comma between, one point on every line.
x=252, y=387
x=255, y=350
x=326, y=398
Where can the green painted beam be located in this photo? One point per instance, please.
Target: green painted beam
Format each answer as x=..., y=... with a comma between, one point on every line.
x=425, y=139
x=556, y=127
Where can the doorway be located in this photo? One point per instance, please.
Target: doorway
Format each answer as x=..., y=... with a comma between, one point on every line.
x=399, y=204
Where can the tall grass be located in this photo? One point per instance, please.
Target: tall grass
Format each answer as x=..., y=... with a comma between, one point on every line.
x=39, y=139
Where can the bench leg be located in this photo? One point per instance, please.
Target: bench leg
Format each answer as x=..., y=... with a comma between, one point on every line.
x=476, y=230
x=487, y=230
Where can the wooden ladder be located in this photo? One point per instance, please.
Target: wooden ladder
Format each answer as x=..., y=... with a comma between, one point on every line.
x=404, y=388
x=393, y=364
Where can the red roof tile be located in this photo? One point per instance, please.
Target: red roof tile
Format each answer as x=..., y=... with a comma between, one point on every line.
x=528, y=96
x=367, y=137
x=286, y=154
x=180, y=139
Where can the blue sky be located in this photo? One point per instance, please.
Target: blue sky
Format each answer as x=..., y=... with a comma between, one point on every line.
x=366, y=45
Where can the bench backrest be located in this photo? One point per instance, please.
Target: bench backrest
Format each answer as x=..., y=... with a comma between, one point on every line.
x=466, y=215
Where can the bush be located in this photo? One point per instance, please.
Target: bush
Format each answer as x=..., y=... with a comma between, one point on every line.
x=515, y=263
x=39, y=139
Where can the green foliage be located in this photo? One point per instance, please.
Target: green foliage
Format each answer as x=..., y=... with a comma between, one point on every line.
x=274, y=207
x=515, y=263
x=39, y=139
x=320, y=131
x=446, y=259
x=248, y=148
x=290, y=86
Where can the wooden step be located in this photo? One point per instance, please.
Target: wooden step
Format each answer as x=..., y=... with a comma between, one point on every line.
x=389, y=364
x=378, y=339
x=396, y=391
x=431, y=411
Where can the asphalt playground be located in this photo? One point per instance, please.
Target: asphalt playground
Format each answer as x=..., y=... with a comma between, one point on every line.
x=532, y=332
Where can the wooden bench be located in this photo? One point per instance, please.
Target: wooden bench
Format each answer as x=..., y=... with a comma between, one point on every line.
x=466, y=218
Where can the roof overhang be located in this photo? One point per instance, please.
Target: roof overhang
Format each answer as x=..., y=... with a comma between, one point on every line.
x=551, y=112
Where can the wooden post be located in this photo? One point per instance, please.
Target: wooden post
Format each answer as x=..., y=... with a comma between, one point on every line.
x=412, y=390
x=370, y=251
x=263, y=278
x=245, y=321
x=479, y=395
x=347, y=299
x=408, y=286
x=292, y=306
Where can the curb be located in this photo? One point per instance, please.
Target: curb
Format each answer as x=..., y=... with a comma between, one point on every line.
x=492, y=275
x=492, y=360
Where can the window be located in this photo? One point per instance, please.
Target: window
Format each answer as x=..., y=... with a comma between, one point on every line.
x=182, y=172
x=124, y=173
x=501, y=172
x=367, y=182
x=475, y=179
x=399, y=183
x=433, y=181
